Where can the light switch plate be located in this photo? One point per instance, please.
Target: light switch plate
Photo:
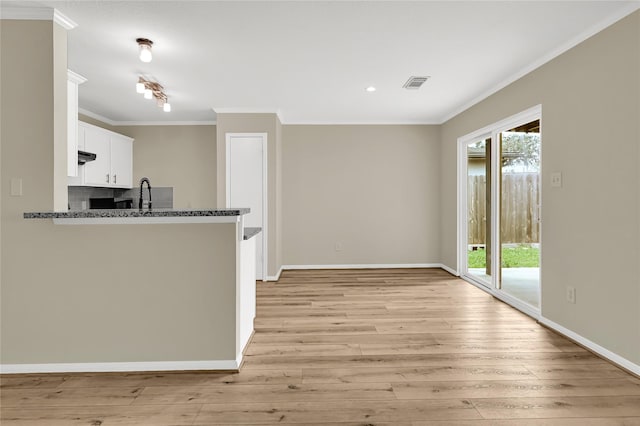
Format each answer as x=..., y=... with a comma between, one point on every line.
x=16, y=187
x=556, y=180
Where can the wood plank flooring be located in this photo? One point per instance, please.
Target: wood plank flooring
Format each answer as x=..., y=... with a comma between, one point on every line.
x=358, y=347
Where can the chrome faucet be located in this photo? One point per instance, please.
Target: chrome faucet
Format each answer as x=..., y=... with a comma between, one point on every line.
x=142, y=181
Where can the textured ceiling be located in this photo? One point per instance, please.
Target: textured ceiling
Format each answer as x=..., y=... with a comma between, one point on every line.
x=311, y=61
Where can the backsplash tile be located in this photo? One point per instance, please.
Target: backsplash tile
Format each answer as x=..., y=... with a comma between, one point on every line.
x=161, y=197
x=79, y=196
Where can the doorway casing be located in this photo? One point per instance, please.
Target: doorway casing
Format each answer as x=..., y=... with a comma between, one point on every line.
x=228, y=140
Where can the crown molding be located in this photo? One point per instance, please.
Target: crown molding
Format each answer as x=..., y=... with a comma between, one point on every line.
x=165, y=123
x=242, y=110
x=97, y=117
x=26, y=13
x=63, y=20
x=37, y=14
x=115, y=123
x=360, y=123
x=589, y=32
x=75, y=77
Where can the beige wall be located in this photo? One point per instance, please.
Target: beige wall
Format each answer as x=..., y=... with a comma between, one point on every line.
x=95, y=293
x=374, y=189
x=27, y=117
x=590, y=227
x=255, y=123
x=183, y=157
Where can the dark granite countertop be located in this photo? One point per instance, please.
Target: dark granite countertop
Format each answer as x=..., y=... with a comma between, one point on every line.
x=251, y=232
x=129, y=213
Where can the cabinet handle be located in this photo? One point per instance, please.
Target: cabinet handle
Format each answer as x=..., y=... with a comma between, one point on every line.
x=107, y=177
x=115, y=177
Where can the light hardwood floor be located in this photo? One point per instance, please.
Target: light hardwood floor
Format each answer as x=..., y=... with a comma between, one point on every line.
x=358, y=347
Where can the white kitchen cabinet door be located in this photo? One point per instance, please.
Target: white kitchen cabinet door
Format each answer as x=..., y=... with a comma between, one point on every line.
x=113, y=166
x=121, y=161
x=97, y=172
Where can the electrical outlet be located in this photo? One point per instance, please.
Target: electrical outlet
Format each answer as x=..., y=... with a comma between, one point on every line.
x=571, y=294
x=338, y=246
x=556, y=180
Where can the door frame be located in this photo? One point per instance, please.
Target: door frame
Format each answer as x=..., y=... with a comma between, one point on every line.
x=463, y=228
x=493, y=131
x=265, y=203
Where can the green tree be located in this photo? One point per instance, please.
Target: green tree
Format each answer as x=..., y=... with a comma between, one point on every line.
x=521, y=149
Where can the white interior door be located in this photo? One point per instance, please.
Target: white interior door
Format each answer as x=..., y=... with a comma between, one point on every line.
x=246, y=168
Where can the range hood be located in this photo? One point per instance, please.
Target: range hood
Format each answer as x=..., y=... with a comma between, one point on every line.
x=84, y=156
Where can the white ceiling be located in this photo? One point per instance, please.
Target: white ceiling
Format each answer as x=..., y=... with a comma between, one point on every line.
x=311, y=60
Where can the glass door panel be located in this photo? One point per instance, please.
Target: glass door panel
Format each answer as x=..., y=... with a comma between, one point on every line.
x=519, y=274
x=479, y=210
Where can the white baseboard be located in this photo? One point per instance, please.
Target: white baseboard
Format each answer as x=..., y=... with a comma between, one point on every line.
x=450, y=270
x=275, y=277
x=366, y=266
x=592, y=346
x=100, y=367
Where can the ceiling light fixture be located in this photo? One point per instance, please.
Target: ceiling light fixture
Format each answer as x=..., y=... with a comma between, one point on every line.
x=370, y=89
x=145, y=49
x=140, y=85
x=151, y=90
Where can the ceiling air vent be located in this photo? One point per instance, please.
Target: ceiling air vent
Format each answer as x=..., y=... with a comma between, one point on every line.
x=414, y=83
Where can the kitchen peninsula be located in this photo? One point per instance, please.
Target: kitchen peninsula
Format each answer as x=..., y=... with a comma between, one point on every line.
x=144, y=290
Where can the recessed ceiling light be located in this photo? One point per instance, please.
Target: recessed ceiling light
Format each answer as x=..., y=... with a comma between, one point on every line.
x=370, y=89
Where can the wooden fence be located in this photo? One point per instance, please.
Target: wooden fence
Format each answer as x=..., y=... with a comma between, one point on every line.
x=520, y=218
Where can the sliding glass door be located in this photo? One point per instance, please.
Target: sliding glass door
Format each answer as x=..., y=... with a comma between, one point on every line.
x=479, y=209
x=520, y=212
x=499, y=208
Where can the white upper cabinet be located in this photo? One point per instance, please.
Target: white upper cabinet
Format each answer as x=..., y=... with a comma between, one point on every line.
x=113, y=166
x=121, y=161
x=73, y=80
x=98, y=171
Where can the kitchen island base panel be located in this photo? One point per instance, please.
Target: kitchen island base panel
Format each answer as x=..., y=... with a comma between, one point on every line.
x=111, y=295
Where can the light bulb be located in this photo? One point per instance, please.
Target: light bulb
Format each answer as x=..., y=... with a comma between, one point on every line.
x=166, y=107
x=140, y=87
x=148, y=94
x=145, y=53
